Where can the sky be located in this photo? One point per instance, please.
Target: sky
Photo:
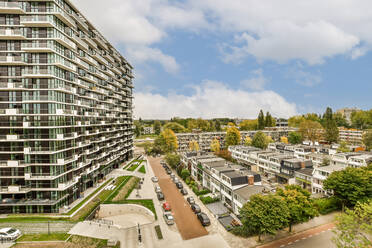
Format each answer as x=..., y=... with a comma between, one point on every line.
x=231, y=58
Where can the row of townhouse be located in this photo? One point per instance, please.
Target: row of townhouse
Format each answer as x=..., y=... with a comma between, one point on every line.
x=233, y=183
x=205, y=139
x=299, y=165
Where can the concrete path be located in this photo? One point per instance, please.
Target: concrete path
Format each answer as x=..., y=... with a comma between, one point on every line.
x=40, y=227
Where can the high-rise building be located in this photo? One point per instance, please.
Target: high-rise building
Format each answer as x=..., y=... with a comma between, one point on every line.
x=65, y=106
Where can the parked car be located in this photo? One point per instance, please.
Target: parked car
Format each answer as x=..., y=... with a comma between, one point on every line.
x=157, y=189
x=9, y=233
x=166, y=167
x=190, y=200
x=172, y=176
x=160, y=196
x=179, y=185
x=176, y=180
x=168, y=217
x=154, y=179
x=166, y=206
x=183, y=191
x=168, y=171
x=203, y=218
x=195, y=207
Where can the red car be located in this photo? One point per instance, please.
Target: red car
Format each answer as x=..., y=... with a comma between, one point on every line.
x=166, y=206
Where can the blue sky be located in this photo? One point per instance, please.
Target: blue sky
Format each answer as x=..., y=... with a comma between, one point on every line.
x=220, y=58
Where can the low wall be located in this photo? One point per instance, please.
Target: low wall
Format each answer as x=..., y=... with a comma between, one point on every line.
x=107, y=210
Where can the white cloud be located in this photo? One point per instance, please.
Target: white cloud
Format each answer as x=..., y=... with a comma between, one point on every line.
x=256, y=82
x=304, y=78
x=211, y=99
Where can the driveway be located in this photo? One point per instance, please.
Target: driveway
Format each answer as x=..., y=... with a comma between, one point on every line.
x=186, y=221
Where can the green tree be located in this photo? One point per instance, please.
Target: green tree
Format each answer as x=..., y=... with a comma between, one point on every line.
x=301, y=206
x=295, y=121
x=185, y=173
x=260, y=140
x=310, y=130
x=264, y=214
x=361, y=119
x=330, y=126
x=354, y=227
x=247, y=141
x=269, y=120
x=340, y=120
x=295, y=138
x=215, y=145
x=166, y=142
x=312, y=117
x=157, y=127
x=261, y=121
x=173, y=160
x=325, y=162
x=367, y=140
x=343, y=147
x=175, y=127
x=350, y=185
x=232, y=136
x=248, y=125
x=217, y=125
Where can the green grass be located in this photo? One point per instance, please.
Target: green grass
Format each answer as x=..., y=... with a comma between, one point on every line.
x=87, y=198
x=142, y=169
x=21, y=218
x=133, y=167
x=147, y=136
x=44, y=237
x=120, y=182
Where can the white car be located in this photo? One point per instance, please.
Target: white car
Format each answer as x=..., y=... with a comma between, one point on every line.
x=168, y=217
x=157, y=189
x=9, y=233
x=154, y=179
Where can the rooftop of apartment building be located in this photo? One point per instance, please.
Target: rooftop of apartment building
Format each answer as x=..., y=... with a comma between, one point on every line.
x=247, y=191
x=331, y=168
x=305, y=171
x=211, y=160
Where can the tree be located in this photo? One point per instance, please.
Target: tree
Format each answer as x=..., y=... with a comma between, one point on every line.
x=354, y=227
x=360, y=119
x=295, y=121
x=185, y=173
x=312, y=117
x=269, y=120
x=264, y=214
x=301, y=206
x=247, y=141
x=261, y=121
x=367, y=140
x=295, y=138
x=157, y=127
x=217, y=125
x=173, y=160
x=166, y=142
x=340, y=120
x=310, y=130
x=232, y=136
x=203, y=125
x=248, y=125
x=330, y=126
x=350, y=185
x=284, y=140
x=260, y=140
x=175, y=127
x=325, y=162
x=194, y=145
x=215, y=145
x=343, y=147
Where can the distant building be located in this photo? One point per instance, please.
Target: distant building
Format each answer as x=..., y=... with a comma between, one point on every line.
x=346, y=112
x=351, y=136
x=148, y=130
x=281, y=122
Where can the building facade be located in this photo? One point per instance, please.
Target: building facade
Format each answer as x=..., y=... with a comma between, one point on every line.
x=65, y=106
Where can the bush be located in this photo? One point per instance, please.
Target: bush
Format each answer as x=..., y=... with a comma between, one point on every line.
x=208, y=199
x=199, y=192
x=327, y=205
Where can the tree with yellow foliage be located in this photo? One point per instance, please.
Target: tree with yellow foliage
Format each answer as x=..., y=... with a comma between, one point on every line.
x=194, y=146
x=247, y=141
x=284, y=140
x=215, y=145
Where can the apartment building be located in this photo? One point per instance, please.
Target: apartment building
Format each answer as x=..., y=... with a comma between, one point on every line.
x=320, y=174
x=65, y=106
x=351, y=136
x=205, y=139
x=148, y=130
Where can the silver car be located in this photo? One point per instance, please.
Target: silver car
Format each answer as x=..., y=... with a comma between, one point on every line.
x=9, y=233
x=154, y=179
x=157, y=189
x=168, y=217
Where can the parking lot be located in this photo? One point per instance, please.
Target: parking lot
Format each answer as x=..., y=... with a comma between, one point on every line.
x=186, y=221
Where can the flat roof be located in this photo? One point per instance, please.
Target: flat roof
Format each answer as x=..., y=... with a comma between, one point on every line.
x=331, y=168
x=247, y=191
x=305, y=171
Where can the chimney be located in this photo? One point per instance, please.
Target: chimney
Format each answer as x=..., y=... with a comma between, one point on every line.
x=250, y=180
x=302, y=165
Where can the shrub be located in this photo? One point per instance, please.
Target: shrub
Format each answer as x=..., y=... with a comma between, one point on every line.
x=327, y=205
x=208, y=199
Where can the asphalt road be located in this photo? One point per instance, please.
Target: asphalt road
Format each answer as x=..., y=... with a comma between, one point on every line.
x=187, y=223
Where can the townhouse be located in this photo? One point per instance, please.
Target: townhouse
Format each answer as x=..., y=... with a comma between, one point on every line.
x=65, y=106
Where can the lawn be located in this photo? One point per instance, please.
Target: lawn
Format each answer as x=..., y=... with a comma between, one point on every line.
x=21, y=218
x=142, y=169
x=120, y=182
x=134, y=166
x=44, y=237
